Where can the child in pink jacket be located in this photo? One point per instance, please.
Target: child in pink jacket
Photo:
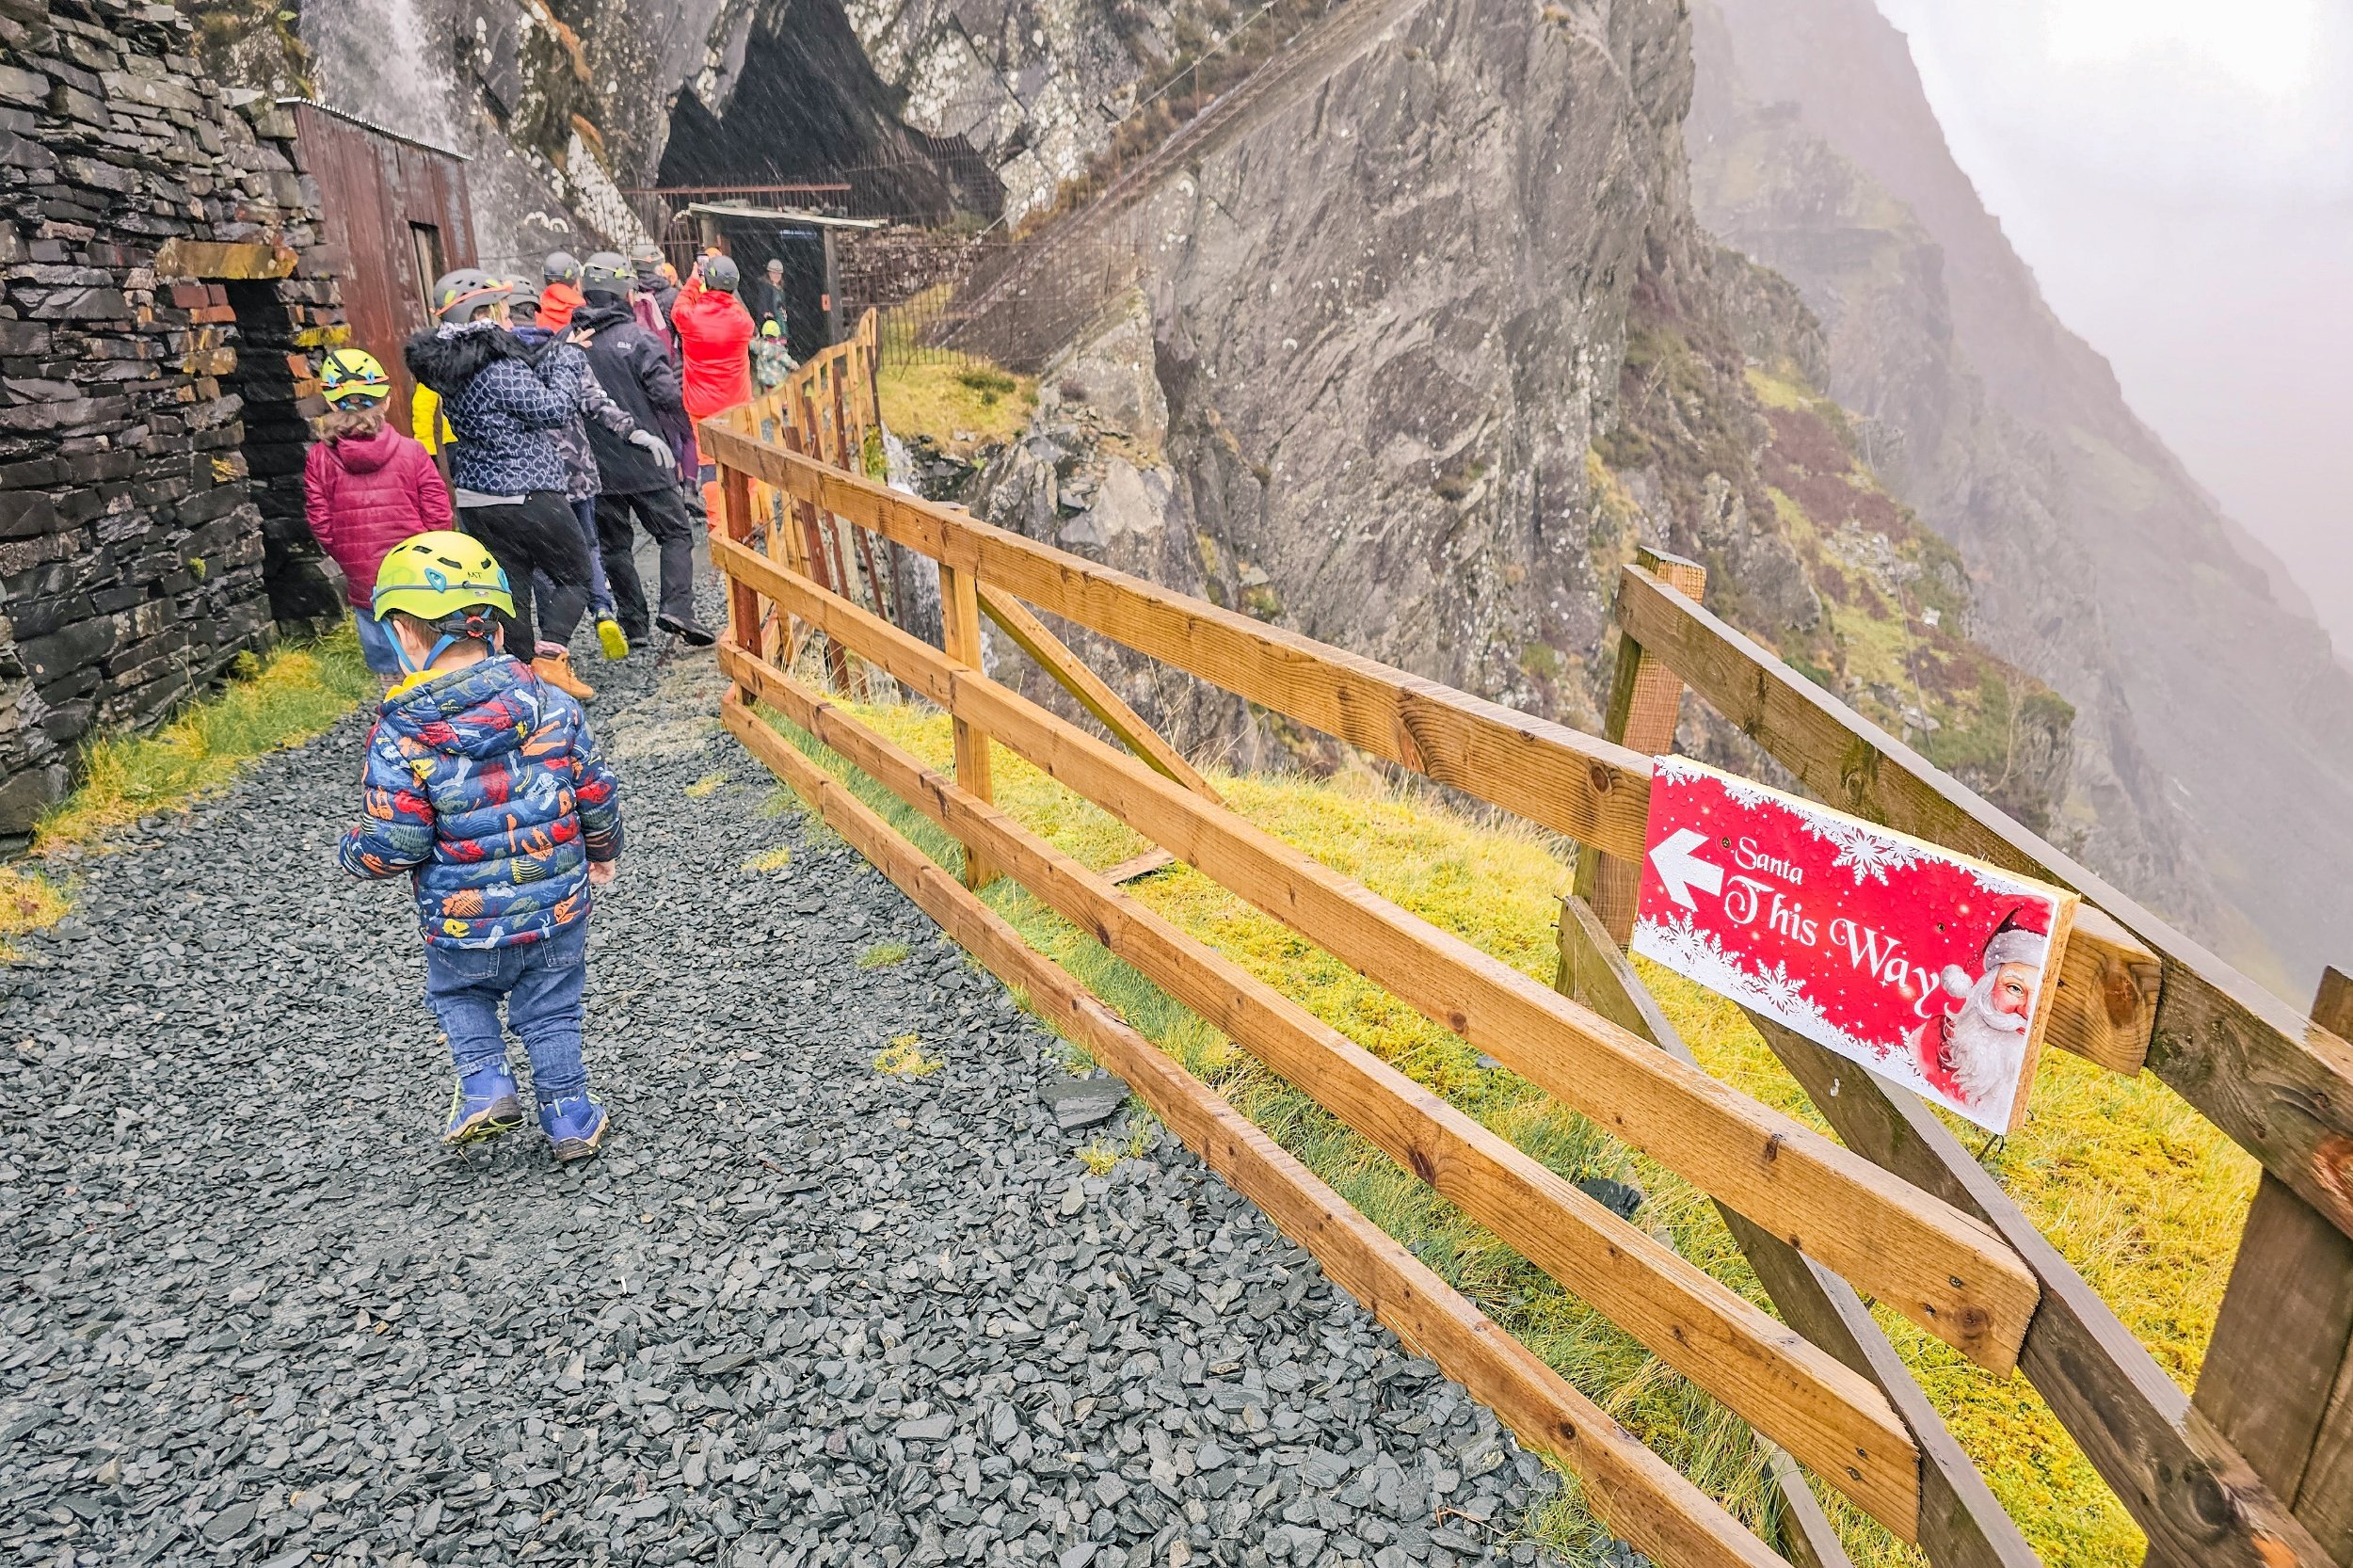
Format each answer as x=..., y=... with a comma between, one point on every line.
x=365, y=487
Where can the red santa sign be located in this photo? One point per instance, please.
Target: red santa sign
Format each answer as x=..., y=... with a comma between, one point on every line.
x=1928, y=968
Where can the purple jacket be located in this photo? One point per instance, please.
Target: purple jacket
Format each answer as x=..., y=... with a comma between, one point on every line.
x=364, y=497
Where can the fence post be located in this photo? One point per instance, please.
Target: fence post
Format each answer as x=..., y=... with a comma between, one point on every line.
x=960, y=639
x=735, y=487
x=1644, y=698
x=2278, y=1377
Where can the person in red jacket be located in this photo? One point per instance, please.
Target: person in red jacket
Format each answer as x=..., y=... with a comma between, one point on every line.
x=715, y=334
x=365, y=487
x=559, y=294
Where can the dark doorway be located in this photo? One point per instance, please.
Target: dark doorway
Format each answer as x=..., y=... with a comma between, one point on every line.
x=808, y=106
x=302, y=588
x=425, y=239
x=750, y=242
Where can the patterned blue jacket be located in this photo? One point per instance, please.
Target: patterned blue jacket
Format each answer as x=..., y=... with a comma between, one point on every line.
x=485, y=784
x=507, y=407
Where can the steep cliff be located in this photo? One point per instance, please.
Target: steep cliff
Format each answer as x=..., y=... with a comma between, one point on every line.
x=1420, y=360
x=931, y=106
x=2210, y=713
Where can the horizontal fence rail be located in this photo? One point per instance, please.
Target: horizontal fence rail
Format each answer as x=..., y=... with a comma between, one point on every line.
x=1897, y=1209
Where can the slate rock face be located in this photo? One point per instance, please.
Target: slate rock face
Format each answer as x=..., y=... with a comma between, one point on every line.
x=1380, y=334
x=144, y=380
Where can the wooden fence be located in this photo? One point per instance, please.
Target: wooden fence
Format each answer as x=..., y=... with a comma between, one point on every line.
x=2256, y=1472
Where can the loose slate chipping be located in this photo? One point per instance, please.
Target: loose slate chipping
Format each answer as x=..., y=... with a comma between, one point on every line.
x=801, y=1313
x=1079, y=1103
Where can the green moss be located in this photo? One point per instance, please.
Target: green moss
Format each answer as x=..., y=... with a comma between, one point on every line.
x=268, y=705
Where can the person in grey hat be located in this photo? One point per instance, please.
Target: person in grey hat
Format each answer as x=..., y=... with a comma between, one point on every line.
x=765, y=298
x=560, y=296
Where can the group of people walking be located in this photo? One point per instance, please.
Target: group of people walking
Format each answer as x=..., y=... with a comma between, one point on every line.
x=551, y=422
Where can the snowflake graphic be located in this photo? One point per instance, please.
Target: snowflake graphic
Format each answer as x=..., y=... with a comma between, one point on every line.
x=1778, y=991
x=1700, y=954
x=1743, y=792
x=1863, y=850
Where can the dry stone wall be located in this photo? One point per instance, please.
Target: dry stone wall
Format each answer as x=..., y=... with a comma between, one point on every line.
x=151, y=225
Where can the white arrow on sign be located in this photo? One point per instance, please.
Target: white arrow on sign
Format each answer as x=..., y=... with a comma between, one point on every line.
x=1681, y=871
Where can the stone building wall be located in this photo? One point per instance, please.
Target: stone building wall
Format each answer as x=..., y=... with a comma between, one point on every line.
x=151, y=225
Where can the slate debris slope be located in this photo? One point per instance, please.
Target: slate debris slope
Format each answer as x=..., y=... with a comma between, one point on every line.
x=801, y=1313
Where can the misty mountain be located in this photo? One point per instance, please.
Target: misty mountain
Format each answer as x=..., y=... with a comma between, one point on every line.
x=2213, y=764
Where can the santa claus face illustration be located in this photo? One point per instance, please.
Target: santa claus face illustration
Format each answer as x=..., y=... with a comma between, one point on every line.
x=1975, y=1052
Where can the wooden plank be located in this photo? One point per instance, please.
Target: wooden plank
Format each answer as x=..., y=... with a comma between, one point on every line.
x=1561, y=779
x=216, y=261
x=960, y=639
x=735, y=493
x=814, y=564
x=1638, y=1495
x=1091, y=692
x=2278, y=1379
x=1947, y=1273
x=1806, y=1533
x=1961, y=1526
x=2192, y=1493
x=1803, y=1398
x=2282, y=1090
x=2324, y=1501
x=1645, y=698
x=1137, y=867
x=1592, y=789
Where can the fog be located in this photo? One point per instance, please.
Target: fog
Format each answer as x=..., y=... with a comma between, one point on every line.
x=2179, y=174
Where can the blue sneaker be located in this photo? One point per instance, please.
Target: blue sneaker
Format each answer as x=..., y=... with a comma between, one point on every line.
x=487, y=1103
x=575, y=1125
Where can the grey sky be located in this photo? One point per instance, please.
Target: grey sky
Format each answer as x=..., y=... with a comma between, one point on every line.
x=2179, y=174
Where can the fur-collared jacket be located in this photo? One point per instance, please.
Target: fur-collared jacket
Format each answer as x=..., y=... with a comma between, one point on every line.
x=507, y=405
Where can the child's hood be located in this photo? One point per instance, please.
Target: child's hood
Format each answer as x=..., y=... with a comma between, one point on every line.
x=485, y=710
x=366, y=453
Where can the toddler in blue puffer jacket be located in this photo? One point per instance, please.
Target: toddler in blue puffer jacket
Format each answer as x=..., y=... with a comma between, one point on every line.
x=484, y=784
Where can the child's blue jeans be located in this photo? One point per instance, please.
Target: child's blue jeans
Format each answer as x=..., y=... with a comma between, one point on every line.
x=541, y=984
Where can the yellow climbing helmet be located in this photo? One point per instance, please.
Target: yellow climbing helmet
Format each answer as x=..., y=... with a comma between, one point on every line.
x=354, y=372
x=434, y=576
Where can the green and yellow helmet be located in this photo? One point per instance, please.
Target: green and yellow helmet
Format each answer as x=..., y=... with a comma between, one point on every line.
x=440, y=575
x=350, y=372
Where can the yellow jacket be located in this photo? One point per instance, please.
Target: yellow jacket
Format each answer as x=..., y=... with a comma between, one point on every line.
x=424, y=418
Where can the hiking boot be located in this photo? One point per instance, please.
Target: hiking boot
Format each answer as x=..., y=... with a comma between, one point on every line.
x=686, y=631
x=611, y=639
x=486, y=1104
x=556, y=670
x=575, y=1125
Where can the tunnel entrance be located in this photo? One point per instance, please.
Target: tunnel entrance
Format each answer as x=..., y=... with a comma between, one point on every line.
x=809, y=107
x=277, y=433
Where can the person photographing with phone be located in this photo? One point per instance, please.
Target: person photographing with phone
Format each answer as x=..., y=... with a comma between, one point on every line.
x=715, y=334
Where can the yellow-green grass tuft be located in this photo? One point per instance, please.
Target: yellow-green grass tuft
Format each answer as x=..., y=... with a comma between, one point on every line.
x=903, y=1057
x=883, y=955
x=708, y=785
x=776, y=859
x=282, y=700
x=962, y=406
x=2133, y=1187
x=29, y=901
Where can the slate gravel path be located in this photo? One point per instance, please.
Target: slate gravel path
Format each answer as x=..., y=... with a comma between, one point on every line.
x=800, y=1313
